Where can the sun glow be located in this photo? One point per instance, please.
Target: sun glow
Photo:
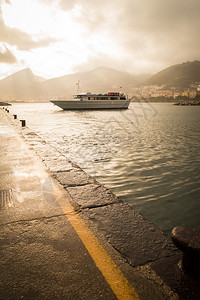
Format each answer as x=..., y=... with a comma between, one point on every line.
x=70, y=41
x=26, y=15
x=40, y=21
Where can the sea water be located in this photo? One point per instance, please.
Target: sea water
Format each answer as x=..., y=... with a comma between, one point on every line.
x=149, y=155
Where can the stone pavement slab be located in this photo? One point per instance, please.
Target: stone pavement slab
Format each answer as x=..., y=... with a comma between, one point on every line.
x=42, y=257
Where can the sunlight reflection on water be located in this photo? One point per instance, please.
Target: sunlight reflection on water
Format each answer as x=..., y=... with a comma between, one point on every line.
x=148, y=155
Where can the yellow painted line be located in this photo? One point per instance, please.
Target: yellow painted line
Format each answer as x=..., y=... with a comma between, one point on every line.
x=114, y=277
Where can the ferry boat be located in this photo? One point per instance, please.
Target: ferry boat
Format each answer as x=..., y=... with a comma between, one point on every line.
x=111, y=100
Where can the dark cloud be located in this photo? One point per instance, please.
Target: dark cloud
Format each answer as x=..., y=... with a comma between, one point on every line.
x=22, y=40
x=160, y=17
x=165, y=32
x=169, y=30
x=6, y=55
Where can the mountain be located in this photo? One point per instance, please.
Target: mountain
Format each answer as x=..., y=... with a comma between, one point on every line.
x=181, y=75
x=24, y=85
x=19, y=85
x=97, y=80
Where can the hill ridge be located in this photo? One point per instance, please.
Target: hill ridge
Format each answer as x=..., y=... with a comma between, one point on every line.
x=181, y=75
x=24, y=85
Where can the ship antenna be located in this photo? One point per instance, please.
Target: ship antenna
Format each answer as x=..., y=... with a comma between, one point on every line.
x=78, y=87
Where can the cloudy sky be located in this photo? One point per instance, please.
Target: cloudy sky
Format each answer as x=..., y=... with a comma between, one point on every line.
x=58, y=37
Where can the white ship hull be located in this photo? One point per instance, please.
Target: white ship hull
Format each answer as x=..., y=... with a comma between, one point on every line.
x=91, y=104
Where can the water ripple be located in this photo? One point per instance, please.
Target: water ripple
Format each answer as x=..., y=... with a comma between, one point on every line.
x=148, y=155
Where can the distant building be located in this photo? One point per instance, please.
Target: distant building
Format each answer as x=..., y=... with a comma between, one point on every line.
x=192, y=94
x=184, y=94
x=198, y=90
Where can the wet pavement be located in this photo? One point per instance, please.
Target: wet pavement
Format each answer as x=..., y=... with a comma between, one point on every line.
x=63, y=235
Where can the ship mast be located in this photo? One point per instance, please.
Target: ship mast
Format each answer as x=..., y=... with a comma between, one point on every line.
x=78, y=87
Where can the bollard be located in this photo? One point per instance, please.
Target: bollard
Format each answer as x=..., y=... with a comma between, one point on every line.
x=188, y=241
x=15, y=116
x=23, y=122
x=7, y=110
